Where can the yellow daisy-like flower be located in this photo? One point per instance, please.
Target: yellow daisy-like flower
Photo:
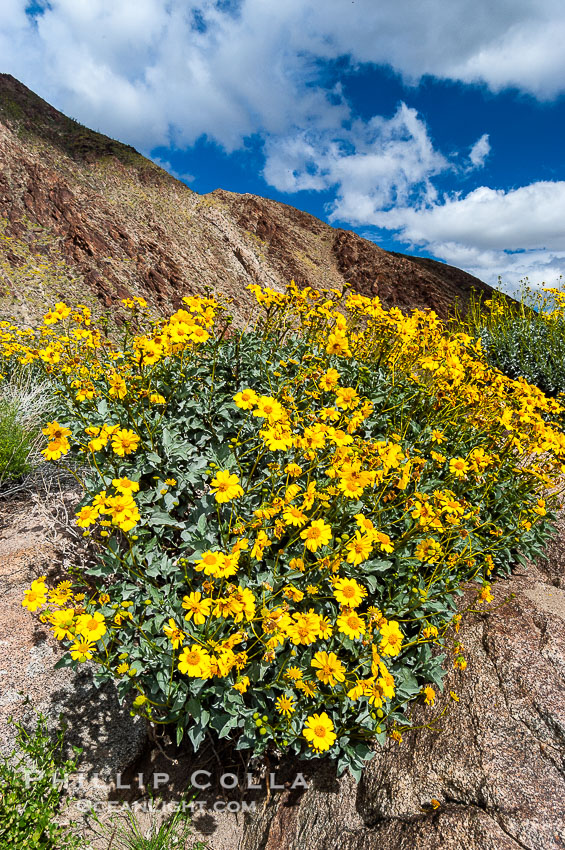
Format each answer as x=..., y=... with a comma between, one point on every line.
x=91, y=626
x=458, y=467
x=304, y=629
x=82, y=650
x=392, y=638
x=330, y=670
x=242, y=685
x=36, y=596
x=55, y=431
x=293, y=673
x=294, y=516
x=359, y=549
x=348, y=592
x=124, y=441
x=429, y=694
x=125, y=485
x=197, y=608
x=351, y=624
x=285, y=705
x=63, y=623
x=319, y=732
x=175, y=635
x=194, y=662
x=269, y=408
x=56, y=449
x=87, y=516
x=246, y=399
x=317, y=534
x=225, y=486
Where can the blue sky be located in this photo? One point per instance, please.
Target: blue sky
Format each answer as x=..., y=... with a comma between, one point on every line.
x=432, y=128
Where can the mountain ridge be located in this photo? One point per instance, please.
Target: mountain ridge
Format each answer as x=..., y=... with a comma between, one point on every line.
x=84, y=215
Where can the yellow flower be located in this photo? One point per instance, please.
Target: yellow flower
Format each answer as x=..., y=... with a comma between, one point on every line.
x=346, y=398
x=55, y=431
x=329, y=379
x=82, y=650
x=293, y=673
x=429, y=694
x=124, y=441
x=63, y=622
x=246, y=399
x=91, y=626
x=485, y=595
x=36, y=596
x=304, y=629
x=87, y=516
x=384, y=541
x=285, y=705
x=269, y=408
x=125, y=486
x=330, y=668
x=392, y=638
x=428, y=550
x=338, y=344
x=319, y=732
x=294, y=516
x=349, y=593
x=358, y=549
x=351, y=624
x=118, y=386
x=458, y=467
x=56, y=449
x=317, y=534
x=197, y=608
x=242, y=685
x=225, y=486
x=175, y=635
x=194, y=662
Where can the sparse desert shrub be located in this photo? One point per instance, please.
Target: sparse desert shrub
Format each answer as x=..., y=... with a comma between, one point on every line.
x=31, y=782
x=283, y=517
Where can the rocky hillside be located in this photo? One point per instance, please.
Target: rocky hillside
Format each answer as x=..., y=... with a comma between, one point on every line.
x=85, y=217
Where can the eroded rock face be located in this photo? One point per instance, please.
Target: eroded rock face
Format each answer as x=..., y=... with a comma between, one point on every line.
x=121, y=226
x=495, y=762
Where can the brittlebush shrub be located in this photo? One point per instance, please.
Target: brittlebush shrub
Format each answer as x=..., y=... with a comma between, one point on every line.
x=283, y=517
x=524, y=339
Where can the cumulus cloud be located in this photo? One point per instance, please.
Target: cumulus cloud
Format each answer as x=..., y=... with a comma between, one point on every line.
x=514, y=233
x=480, y=151
x=156, y=71
x=370, y=166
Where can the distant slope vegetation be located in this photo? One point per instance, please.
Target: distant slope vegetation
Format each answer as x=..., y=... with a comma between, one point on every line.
x=83, y=217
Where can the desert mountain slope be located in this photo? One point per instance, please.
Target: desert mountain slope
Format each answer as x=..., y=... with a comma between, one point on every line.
x=84, y=217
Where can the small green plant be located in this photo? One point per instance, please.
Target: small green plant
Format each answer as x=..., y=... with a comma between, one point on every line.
x=16, y=443
x=31, y=780
x=127, y=833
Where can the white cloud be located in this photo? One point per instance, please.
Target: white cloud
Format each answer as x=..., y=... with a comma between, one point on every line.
x=371, y=166
x=480, y=151
x=490, y=232
x=151, y=70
